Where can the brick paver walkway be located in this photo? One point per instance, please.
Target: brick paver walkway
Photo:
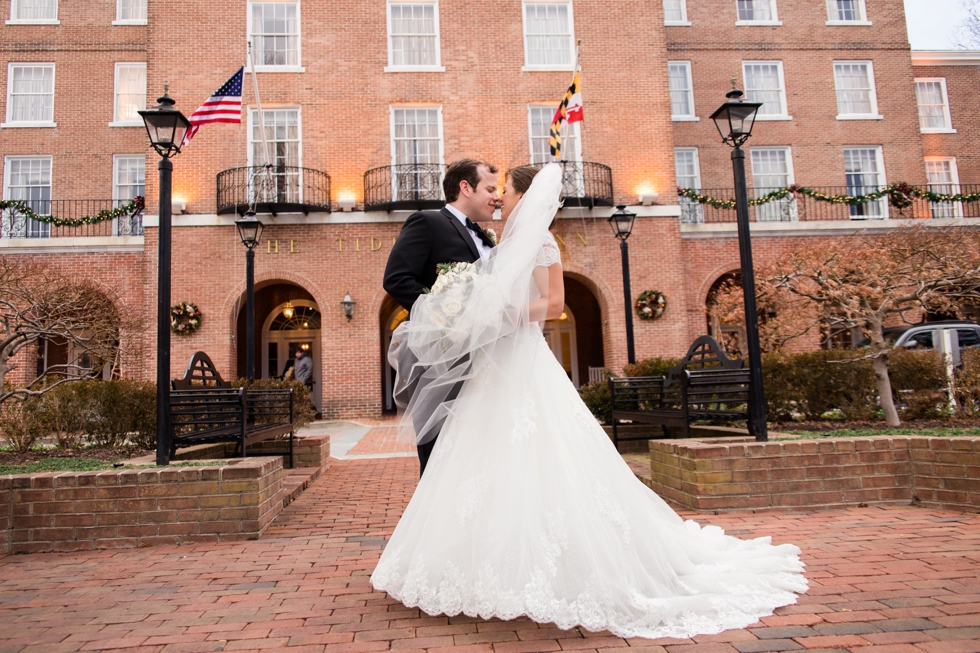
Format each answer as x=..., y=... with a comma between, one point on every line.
x=896, y=580
x=379, y=440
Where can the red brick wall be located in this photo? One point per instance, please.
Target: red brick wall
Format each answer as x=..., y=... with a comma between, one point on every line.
x=961, y=84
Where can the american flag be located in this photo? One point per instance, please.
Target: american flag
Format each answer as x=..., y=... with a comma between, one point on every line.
x=225, y=105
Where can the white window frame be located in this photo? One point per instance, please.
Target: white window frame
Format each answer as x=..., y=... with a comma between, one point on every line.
x=263, y=68
x=574, y=128
x=571, y=40
x=6, y=181
x=948, y=129
x=882, y=179
x=782, y=90
x=391, y=128
x=832, y=11
x=127, y=21
x=748, y=23
x=45, y=21
x=874, y=115
x=764, y=211
x=691, y=212
x=435, y=68
x=116, y=122
x=690, y=86
x=684, y=22
x=957, y=207
x=8, y=123
x=116, y=158
x=251, y=125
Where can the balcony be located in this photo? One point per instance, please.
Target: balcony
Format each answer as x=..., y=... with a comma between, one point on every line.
x=404, y=187
x=15, y=223
x=803, y=208
x=585, y=184
x=273, y=189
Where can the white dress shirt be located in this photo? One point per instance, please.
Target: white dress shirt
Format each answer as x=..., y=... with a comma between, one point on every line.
x=480, y=247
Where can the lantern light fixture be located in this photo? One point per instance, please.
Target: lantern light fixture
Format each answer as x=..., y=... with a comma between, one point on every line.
x=165, y=125
x=622, y=222
x=249, y=229
x=288, y=310
x=735, y=118
x=348, y=305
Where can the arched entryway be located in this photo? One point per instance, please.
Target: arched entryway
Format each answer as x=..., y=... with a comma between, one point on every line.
x=391, y=315
x=287, y=320
x=561, y=337
x=729, y=336
x=584, y=326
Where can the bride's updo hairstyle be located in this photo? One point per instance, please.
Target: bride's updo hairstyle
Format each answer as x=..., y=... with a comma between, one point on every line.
x=521, y=178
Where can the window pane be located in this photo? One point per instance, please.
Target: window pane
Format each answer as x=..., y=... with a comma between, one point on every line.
x=844, y=10
x=863, y=176
x=275, y=34
x=282, y=138
x=968, y=337
x=688, y=176
x=754, y=9
x=932, y=105
x=541, y=118
x=762, y=85
x=130, y=177
x=941, y=176
x=134, y=10
x=32, y=93
x=35, y=9
x=681, y=100
x=413, y=35
x=549, y=35
x=674, y=11
x=130, y=91
x=853, y=88
x=29, y=180
x=770, y=171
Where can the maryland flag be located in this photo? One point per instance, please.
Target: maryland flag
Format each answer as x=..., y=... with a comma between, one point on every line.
x=569, y=110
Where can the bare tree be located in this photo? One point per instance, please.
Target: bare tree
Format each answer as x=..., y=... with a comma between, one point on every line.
x=865, y=281
x=966, y=35
x=40, y=304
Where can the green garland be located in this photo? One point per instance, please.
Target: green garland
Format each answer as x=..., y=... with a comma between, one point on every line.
x=134, y=208
x=899, y=195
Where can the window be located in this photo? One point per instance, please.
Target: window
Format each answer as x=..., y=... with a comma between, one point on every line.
x=30, y=95
x=27, y=178
x=688, y=172
x=864, y=172
x=846, y=12
x=416, y=152
x=284, y=153
x=539, y=128
x=413, y=36
x=772, y=169
x=548, y=39
x=274, y=30
x=942, y=176
x=681, y=90
x=130, y=12
x=675, y=12
x=756, y=12
x=34, y=11
x=764, y=83
x=855, y=90
x=933, y=105
x=130, y=94
x=128, y=181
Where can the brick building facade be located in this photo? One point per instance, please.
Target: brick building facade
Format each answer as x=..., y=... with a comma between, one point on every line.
x=380, y=94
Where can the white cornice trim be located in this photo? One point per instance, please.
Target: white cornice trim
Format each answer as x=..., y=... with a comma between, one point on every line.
x=71, y=245
x=816, y=228
x=946, y=57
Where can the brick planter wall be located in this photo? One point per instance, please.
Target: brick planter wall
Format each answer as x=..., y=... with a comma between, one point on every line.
x=68, y=511
x=940, y=472
x=311, y=451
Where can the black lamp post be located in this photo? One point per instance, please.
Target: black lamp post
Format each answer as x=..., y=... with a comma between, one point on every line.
x=734, y=120
x=166, y=127
x=250, y=231
x=622, y=226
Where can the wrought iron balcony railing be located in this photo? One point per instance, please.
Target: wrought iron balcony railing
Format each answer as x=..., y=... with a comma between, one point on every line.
x=803, y=208
x=404, y=187
x=585, y=183
x=273, y=189
x=15, y=223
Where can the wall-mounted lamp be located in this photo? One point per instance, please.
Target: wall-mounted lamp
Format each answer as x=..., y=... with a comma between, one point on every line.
x=177, y=208
x=348, y=305
x=288, y=311
x=648, y=199
x=346, y=203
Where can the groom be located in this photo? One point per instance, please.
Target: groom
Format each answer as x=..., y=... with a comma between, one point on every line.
x=450, y=235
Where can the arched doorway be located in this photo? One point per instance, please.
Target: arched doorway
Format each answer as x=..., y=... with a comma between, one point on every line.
x=560, y=335
x=729, y=336
x=585, y=325
x=287, y=319
x=391, y=315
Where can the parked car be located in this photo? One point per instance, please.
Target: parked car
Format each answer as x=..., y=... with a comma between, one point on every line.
x=929, y=336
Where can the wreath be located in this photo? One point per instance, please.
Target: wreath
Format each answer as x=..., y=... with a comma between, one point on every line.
x=185, y=318
x=651, y=304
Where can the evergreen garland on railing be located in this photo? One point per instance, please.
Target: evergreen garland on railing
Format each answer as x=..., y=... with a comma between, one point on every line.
x=899, y=195
x=134, y=208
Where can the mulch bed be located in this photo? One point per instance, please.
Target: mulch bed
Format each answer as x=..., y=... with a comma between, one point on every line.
x=107, y=454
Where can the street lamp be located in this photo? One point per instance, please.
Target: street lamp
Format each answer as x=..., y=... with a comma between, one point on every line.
x=734, y=120
x=166, y=127
x=622, y=226
x=250, y=231
x=348, y=305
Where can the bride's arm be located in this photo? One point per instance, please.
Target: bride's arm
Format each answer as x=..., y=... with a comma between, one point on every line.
x=551, y=285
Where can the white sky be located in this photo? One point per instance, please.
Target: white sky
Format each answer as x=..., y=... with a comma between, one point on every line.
x=930, y=22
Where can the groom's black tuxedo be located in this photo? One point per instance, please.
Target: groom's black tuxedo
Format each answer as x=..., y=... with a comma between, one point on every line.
x=427, y=239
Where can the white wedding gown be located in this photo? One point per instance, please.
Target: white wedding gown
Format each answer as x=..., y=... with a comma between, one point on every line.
x=526, y=508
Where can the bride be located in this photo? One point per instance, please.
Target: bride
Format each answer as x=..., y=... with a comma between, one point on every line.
x=526, y=507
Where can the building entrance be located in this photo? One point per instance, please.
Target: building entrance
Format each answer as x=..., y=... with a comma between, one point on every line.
x=290, y=328
x=560, y=335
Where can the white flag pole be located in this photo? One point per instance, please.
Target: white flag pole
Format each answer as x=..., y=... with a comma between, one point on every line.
x=565, y=127
x=258, y=106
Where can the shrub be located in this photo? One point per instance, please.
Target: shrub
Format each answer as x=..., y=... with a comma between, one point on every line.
x=811, y=384
x=107, y=412
x=596, y=398
x=918, y=383
x=20, y=424
x=65, y=411
x=303, y=410
x=651, y=367
x=968, y=383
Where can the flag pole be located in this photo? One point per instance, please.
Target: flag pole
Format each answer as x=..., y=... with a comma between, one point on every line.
x=258, y=106
x=566, y=127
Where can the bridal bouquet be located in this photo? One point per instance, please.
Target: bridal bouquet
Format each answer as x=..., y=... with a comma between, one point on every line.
x=450, y=292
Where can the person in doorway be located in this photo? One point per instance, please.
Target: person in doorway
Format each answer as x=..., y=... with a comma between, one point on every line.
x=303, y=369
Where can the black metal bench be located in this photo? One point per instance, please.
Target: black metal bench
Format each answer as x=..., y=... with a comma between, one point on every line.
x=205, y=409
x=706, y=385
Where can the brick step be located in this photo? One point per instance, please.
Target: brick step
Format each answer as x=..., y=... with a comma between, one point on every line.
x=295, y=481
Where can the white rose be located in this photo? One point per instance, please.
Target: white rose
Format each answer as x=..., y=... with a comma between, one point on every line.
x=452, y=305
x=439, y=284
x=439, y=320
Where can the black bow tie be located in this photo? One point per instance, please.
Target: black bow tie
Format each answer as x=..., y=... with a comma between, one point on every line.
x=481, y=234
